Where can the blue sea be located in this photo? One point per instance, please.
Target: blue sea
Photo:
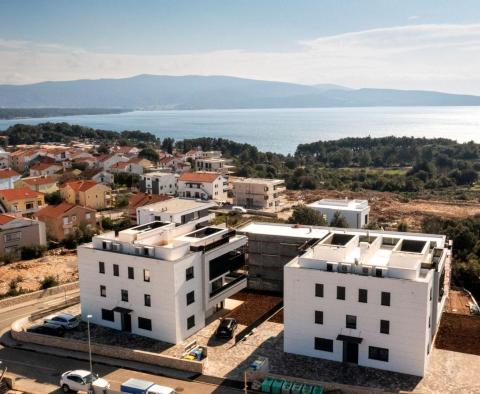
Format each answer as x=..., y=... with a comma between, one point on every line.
x=281, y=130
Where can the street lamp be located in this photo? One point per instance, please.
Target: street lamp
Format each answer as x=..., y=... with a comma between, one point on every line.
x=90, y=389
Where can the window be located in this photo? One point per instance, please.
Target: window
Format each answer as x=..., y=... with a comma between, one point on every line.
x=384, y=326
x=65, y=220
x=88, y=216
x=103, y=291
x=116, y=270
x=385, y=298
x=323, y=344
x=144, y=324
x=351, y=321
x=378, y=273
x=340, y=293
x=318, y=317
x=147, y=299
x=124, y=295
x=189, y=273
x=146, y=275
x=377, y=353
x=319, y=290
x=108, y=315
x=29, y=205
x=190, y=298
x=329, y=267
x=362, y=295
x=101, y=267
x=191, y=322
x=12, y=236
x=131, y=274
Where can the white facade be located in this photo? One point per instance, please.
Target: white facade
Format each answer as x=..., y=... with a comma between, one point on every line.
x=356, y=212
x=176, y=210
x=159, y=183
x=203, y=185
x=370, y=298
x=178, y=263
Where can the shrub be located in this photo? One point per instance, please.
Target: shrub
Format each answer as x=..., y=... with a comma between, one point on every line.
x=48, y=281
x=339, y=220
x=306, y=216
x=13, y=289
x=32, y=252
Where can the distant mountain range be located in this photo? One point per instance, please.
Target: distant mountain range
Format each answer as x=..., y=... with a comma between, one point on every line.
x=152, y=92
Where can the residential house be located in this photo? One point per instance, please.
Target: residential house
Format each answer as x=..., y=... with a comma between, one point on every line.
x=160, y=280
x=372, y=298
x=107, y=161
x=65, y=218
x=45, y=169
x=59, y=154
x=16, y=232
x=43, y=184
x=22, y=158
x=178, y=211
x=8, y=177
x=98, y=175
x=159, y=183
x=138, y=200
x=23, y=201
x=356, y=212
x=5, y=160
x=258, y=193
x=130, y=151
x=87, y=193
x=213, y=161
x=203, y=185
x=128, y=167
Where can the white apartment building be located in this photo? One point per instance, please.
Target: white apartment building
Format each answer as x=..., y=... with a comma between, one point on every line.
x=160, y=280
x=212, y=161
x=371, y=298
x=203, y=185
x=176, y=210
x=159, y=183
x=258, y=193
x=356, y=212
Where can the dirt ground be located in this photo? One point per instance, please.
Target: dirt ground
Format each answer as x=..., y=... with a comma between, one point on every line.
x=389, y=209
x=60, y=263
x=254, y=305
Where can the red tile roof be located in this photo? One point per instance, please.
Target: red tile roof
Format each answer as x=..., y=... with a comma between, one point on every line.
x=80, y=186
x=4, y=219
x=141, y=199
x=43, y=166
x=39, y=180
x=120, y=164
x=8, y=173
x=198, y=176
x=19, y=194
x=55, y=211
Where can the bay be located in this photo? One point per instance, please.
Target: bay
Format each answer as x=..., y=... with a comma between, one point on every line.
x=281, y=130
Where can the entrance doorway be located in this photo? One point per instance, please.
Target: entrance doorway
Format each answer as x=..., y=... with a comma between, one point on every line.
x=350, y=352
x=126, y=322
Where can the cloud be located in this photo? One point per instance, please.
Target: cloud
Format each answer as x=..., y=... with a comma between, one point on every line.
x=424, y=56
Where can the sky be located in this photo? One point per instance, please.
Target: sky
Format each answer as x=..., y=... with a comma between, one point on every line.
x=407, y=44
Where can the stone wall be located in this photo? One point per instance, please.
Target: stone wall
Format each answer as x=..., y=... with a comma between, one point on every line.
x=7, y=302
x=19, y=334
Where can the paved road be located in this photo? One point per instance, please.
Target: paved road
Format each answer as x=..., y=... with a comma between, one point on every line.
x=39, y=373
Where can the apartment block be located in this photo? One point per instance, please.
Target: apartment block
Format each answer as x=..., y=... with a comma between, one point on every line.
x=212, y=161
x=160, y=280
x=356, y=212
x=159, y=183
x=176, y=210
x=203, y=185
x=258, y=193
x=371, y=298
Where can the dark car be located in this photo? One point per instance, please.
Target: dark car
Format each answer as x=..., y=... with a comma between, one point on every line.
x=48, y=329
x=226, y=328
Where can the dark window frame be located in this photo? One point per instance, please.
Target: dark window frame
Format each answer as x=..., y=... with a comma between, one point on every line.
x=108, y=315
x=378, y=353
x=190, y=297
x=103, y=291
x=323, y=344
x=116, y=270
x=146, y=275
x=351, y=322
x=385, y=298
x=101, y=267
x=147, y=300
x=189, y=273
x=131, y=273
x=318, y=317
x=341, y=293
x=124, y=295
x=319, y=290
x=384, y=326
x=363, y=296
x=190, y=322
x=144, y=323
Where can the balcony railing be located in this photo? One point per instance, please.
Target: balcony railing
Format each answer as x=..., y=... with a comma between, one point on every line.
x=228, y=285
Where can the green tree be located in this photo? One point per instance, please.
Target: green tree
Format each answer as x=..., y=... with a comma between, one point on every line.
x=339, y=220
x=167, y=144
x=149, y=154
x=103, y=149
x=53, y=198
x=306, y=216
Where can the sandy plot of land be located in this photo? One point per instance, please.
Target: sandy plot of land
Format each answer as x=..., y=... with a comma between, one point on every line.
x=62, y=266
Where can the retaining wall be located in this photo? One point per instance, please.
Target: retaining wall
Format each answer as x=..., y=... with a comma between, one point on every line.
x=19, y=334
x=7, y=302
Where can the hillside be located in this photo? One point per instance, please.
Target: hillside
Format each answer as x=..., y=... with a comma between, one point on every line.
x=150, y=92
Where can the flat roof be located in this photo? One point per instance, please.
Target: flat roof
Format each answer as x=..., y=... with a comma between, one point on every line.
x=177, y=205
x=258, y=180
x=285, y=230
x=343, y=205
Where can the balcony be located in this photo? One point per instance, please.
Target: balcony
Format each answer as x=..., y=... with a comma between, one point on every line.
x=232, y=280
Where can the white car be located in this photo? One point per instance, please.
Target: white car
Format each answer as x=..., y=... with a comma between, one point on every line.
x=65, y=320
x=79, y=380
x=238, y=209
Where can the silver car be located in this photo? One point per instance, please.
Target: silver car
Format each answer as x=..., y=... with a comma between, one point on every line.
x=65, y=320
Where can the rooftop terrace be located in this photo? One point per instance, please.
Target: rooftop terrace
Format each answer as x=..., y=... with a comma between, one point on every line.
x=345, y=205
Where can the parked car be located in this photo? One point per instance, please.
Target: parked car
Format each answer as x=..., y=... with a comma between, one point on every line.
x=226, y=328
x=138, y=386
x=65, y=320
x=47, y=329
x=80, y=380
x=238, y=209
